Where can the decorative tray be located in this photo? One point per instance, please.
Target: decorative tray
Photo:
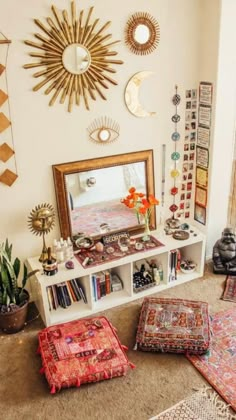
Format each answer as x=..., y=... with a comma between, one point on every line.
x=111, y=252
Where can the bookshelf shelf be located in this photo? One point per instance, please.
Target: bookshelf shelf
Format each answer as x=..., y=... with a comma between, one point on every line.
x=192, y=248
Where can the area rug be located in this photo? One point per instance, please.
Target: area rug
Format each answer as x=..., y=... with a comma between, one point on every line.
x=205, y=404
x=219, y=366
x=230, y=289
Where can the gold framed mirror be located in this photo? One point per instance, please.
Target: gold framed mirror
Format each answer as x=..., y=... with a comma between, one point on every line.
x=75, y=55
x=142, y=33
x=89, y=193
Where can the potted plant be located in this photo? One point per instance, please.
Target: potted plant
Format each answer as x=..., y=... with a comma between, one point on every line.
x=14, y=298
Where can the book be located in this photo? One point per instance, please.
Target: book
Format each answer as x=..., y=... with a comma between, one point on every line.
x=108, y=281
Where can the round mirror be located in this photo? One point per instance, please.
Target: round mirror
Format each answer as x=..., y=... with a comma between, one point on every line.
x=141, y=34
x=76, y=58
x=104, y=134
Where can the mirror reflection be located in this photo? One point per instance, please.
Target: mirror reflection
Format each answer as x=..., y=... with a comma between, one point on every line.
x=141, y=34
x=94, y=198
x=89, y=191
x=76, y=58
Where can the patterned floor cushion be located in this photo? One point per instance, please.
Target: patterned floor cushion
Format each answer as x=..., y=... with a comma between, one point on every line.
x=82, y=351
x=173, y=325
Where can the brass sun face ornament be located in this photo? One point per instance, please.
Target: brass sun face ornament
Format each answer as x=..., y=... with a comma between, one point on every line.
x=41, y=221
x=75, y=55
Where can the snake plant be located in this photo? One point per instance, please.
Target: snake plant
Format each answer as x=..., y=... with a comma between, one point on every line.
x=11, y=292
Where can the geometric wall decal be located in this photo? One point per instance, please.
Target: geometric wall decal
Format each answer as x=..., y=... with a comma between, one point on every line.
x=8, y=177
x=9, y=174
x=5, y=152
x=2, y=68
x=4, y=122
x=3, y=97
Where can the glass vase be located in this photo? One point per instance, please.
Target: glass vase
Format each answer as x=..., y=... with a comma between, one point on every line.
x=146, y=233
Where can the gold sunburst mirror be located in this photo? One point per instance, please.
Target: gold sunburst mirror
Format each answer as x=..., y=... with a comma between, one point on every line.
x=75, y=55
x=142, y=33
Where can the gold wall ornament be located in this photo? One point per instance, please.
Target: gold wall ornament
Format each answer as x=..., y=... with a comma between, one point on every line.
x=41, y=221
x=75, y=55
x=132, y=95
x=142, y=33
x=103, y=130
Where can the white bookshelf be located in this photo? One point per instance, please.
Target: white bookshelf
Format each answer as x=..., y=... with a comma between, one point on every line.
x=193, y=248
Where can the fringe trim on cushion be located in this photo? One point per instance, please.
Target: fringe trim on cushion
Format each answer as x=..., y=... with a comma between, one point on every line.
x=124, y=347
x=38, y=351
x=42, y=370
x=78, y=383
x=132, y=365
x=53, y=390
x=106, y=376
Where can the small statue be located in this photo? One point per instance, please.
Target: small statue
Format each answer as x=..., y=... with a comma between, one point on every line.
x=224, y=253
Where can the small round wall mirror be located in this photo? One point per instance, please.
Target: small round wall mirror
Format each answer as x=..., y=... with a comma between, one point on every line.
x=142, y=33
x=104, y=134
x=76, y=58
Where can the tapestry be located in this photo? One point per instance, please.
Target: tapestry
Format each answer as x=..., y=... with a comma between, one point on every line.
x=205, y=404
x=219, y=366
x=230, y=289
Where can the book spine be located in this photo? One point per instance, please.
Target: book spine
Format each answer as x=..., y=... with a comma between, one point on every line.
x=108, y=282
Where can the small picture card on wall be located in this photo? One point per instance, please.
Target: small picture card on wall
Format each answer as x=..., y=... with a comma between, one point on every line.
x=201, y=196
x=205, y=93
x=203, y=137
x=204, y=116
x=202, y=157
x=200, y=214
x=201, y=177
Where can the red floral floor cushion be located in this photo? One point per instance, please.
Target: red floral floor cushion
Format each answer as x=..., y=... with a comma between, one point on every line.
x=82, y=351
x=173, y=325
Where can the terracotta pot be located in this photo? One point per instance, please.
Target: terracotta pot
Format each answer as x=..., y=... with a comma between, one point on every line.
x=12, y=322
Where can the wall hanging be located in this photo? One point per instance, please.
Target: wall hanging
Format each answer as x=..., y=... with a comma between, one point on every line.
x=8, y=176
x=175, y=156
x=132, y=95
x=142, y=33
x=103, y=130
x=75, y=55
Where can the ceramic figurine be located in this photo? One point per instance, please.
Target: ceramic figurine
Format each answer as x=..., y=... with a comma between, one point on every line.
x=224, y=253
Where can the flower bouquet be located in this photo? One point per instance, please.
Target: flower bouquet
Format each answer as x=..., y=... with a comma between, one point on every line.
x=142, y=205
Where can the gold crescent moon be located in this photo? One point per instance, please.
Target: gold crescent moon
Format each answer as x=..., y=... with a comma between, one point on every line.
x=132, y=95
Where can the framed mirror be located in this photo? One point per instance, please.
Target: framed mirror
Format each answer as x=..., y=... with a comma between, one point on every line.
x=89, y=193
x=142, y=33
x=76, y=57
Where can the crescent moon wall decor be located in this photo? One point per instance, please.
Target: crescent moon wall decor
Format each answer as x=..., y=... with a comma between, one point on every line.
x=75, y=57
x=132, y=94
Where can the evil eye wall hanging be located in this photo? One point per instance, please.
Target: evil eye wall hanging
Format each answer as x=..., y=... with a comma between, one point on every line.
x=175, y=156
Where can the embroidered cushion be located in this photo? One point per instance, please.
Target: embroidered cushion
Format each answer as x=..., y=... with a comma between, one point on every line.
x=173, y=325
x=81, y=351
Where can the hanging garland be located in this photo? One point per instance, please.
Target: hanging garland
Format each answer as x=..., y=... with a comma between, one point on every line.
x=175, y=156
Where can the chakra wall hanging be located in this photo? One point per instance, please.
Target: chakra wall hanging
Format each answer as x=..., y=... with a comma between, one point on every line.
x=142, y=33
x=75, y=56
x=104, y=130
x=175, y=156
x=8, y=173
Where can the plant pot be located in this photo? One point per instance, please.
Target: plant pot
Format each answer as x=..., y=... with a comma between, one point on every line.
x=12, y=322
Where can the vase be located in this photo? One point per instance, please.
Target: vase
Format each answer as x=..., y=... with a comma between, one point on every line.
x=146, y=233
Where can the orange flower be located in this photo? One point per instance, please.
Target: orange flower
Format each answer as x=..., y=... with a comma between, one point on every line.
x=140, y=203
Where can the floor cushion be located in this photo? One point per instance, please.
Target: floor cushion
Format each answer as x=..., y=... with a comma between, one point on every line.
x=81, y=351
x=173, y=325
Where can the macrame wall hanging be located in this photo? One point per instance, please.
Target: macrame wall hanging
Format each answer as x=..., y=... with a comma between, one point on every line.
x=8, y=170
x=175, y=156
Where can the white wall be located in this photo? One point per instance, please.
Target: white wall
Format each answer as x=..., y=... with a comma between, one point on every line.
x=45, y=135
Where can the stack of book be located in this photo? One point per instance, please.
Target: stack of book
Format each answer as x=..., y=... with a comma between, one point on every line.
x=104, y=283
x=64, y=294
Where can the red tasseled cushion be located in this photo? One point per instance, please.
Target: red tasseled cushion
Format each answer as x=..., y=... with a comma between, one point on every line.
x=173, y=325
x=82, y=351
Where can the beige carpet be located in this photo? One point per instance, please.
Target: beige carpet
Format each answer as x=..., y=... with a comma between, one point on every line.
x=158, y=382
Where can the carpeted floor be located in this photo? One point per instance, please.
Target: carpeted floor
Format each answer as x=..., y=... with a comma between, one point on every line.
x=158, y=382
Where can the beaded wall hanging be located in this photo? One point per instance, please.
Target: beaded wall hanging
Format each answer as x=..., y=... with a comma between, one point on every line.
x=8, y=170
x=175, y=156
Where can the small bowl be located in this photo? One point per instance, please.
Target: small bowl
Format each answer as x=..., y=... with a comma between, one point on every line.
x=84, y=242
x=187, y=266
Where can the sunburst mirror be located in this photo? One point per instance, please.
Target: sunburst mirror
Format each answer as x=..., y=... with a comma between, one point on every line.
x=75, y=55
x=142, y=33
